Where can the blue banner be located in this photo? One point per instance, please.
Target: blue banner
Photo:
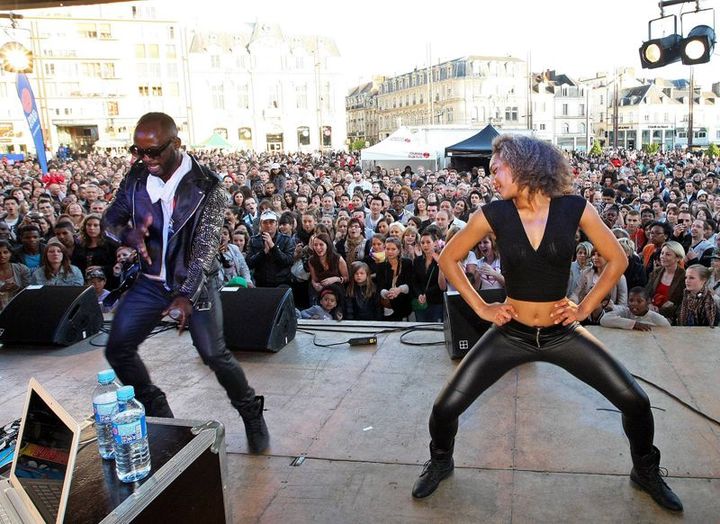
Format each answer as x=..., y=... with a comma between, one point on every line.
x=27, y=99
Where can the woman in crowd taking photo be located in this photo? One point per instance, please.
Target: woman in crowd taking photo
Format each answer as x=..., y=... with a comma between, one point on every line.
x=699, y=305
x=55, y=269
x=232, y=261
x=488, y=274
x=363, y=300
x=427, y=296
x=13, y=277
x=667, y=281
x=393, y=278
x=326, y=267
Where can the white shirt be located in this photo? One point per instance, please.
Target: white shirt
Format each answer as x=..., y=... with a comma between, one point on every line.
x=165, y=192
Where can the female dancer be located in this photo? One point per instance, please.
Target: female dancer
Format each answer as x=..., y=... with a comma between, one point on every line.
x=535, y=225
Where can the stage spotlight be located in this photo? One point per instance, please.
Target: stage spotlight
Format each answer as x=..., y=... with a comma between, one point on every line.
x=660, y=52
x=16, y=58
x=698, y=45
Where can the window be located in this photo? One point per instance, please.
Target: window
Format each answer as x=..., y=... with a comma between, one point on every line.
x=172, y=89
x=112, y=108
x=243, y=97
x=245, y=133
x=104, y=31
x=511, y=113
x=564, y=109
x=157, y=91
x=326, y=132
x=325, y=97
x=215, y=61
x=217, y=94
x=139, y=51
x=153, y=51
x=303, y=135
x=582, y=128
x=87, y=30
x=273, y=100
x=171, y=32
x=49, y=69
x=565, y=129
x=542, y=127
x=582, y=109
x=170, y=51
x=107, y=70
x=171, y=69
x=91, y=69
x=301, y=97
x=221, y=131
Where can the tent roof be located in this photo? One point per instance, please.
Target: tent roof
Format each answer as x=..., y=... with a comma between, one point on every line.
x=479, y=144
x=403, y=144
x=215, y=142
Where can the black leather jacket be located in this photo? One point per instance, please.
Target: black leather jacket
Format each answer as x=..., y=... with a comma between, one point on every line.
x=200, y=202
x=271, y=269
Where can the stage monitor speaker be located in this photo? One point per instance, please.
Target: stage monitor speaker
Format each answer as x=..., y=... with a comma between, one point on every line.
x=462, y=327
x=258, y=319
x=50, y=315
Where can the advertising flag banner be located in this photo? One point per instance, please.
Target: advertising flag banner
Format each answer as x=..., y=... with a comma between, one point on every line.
x=27, y=99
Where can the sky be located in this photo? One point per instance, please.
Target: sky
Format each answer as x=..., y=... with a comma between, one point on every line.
x=376, y=37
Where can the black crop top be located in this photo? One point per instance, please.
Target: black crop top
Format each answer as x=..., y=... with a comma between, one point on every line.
x=542, y=275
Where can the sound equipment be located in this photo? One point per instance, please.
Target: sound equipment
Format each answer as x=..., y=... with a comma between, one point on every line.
x=461, y=325
x=258, y=319
x=50, y=315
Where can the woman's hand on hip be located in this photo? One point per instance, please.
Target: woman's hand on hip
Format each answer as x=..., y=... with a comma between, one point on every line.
x=566, y=312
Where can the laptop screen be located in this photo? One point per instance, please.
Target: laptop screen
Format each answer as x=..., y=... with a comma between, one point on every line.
x=42, y=457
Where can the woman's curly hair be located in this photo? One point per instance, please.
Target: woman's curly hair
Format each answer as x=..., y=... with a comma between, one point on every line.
x=536, y=165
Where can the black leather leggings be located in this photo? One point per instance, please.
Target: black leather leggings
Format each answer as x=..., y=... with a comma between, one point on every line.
x=571, y=347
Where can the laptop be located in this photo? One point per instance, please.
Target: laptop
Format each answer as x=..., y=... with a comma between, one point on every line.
x=47, y=445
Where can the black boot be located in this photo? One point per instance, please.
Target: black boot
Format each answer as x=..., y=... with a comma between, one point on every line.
x=255, y=427
x=439, y=467
x=646, y=474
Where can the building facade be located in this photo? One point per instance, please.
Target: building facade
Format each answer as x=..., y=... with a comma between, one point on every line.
x=97, y=69
x=473, y=90
x=361, y=106
x=560, y=111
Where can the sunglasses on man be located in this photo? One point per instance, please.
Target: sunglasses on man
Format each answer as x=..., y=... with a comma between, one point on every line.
x=150, y=152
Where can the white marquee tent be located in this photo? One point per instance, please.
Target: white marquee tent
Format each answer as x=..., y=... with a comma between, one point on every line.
x=403, y=147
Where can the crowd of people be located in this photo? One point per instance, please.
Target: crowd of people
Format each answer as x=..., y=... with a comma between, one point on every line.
x=363, y=244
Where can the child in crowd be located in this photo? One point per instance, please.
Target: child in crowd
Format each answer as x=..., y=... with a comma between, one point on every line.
x=329, y=307
x=699, y=306
x=363, y=300
x=95, y=277
x=636, y=315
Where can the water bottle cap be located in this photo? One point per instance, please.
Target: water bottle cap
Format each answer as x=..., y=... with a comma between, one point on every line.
x=106, y=376
x=125, y=393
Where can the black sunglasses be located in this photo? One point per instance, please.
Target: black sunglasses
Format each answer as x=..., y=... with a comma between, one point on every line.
x=150, y=152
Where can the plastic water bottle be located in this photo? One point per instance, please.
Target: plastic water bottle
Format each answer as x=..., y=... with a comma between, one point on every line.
x=132, y=453
x=104, y=407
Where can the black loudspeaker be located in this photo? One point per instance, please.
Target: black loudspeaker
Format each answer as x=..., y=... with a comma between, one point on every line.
x=462, y=327
x=50, y=315
x=258, y=319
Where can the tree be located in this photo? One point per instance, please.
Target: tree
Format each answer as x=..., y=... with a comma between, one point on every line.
x=357, y=145
x=596, y=150
x=651, y=149
x=713, y=151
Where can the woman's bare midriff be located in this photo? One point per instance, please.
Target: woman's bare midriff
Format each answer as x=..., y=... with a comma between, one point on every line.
x=534, y=314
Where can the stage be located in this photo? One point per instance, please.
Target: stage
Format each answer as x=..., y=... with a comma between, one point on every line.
x=539, y=446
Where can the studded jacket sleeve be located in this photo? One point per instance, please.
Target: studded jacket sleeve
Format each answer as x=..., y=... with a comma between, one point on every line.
x=205, y=242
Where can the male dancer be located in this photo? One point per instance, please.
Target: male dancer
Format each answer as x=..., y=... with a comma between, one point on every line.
x=170, y=209
x=535, y=225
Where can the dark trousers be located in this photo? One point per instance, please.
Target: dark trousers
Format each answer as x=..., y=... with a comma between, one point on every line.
x=571, y=347
x=140, y=311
